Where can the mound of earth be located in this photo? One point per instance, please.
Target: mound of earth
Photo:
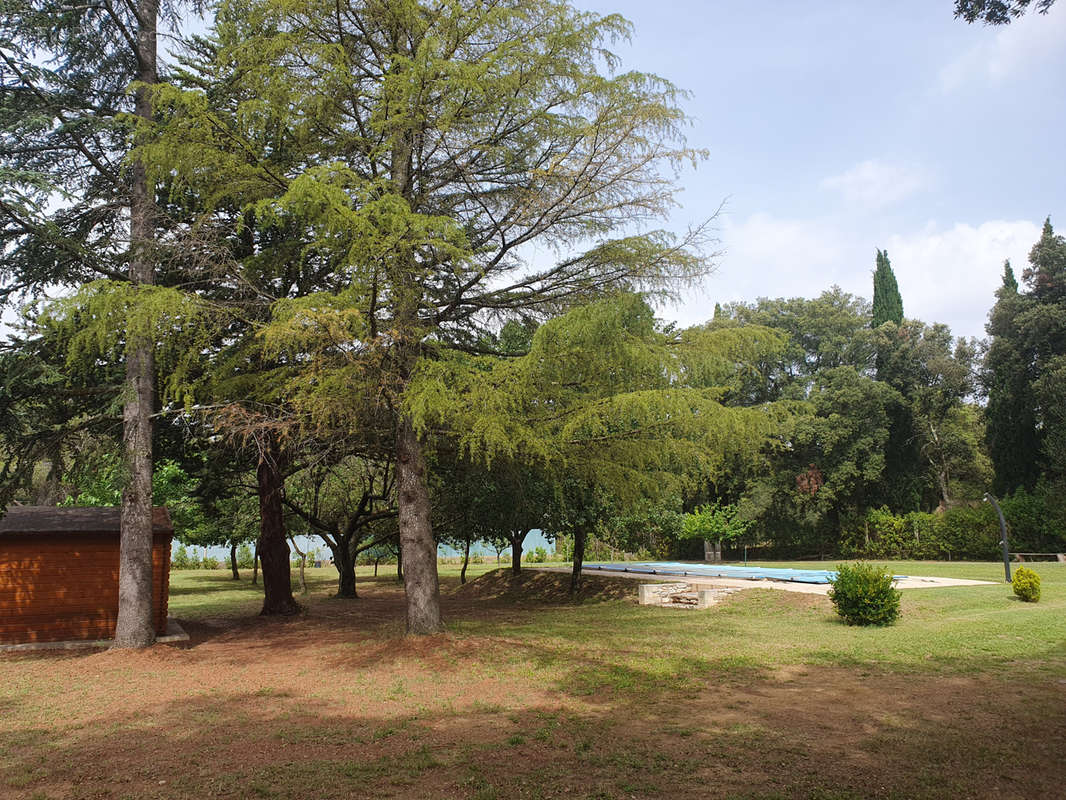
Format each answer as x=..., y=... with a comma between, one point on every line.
x=543, y=586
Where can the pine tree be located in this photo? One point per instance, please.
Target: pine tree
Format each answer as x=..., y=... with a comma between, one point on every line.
x=66, y=72
x=887, y=303
x=428, y=145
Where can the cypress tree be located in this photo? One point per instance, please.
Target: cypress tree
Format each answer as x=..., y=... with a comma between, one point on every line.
x=1012, y=434
x=888, y=304
x=900, y=484
x=1046, y=275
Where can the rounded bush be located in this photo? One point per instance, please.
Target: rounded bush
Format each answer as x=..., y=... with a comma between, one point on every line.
x=863, y=595
x=1026, y=584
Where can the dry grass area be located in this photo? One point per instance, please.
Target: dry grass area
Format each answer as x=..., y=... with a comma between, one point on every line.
x=529, y=696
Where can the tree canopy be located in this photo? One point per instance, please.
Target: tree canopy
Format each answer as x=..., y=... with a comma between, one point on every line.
x=998, y=12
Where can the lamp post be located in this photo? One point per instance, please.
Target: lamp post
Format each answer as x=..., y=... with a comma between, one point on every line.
x=1002, y=534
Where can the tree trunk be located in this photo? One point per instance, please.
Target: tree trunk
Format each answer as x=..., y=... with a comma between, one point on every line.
x=417, y=546
x=273, y=549
x=579, y=559
x=303, y=562
x=345, y=563
x=516, y=551
x=942, y=480
x=466, y=561
x=255, y=564
x=134, y=628
x=399, y=564
x=233, y=562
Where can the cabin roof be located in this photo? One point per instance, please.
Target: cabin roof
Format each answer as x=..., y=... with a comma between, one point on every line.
x=47, y=520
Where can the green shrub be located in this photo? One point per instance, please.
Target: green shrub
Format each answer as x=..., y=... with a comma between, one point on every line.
x=863, y=595
x=245, y=557
x=1026, y=584
x=183, y=560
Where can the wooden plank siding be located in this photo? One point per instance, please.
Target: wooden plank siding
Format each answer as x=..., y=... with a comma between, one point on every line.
x=63, y=585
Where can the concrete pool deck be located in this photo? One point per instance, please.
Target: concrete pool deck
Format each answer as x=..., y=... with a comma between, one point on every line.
x=696, y=581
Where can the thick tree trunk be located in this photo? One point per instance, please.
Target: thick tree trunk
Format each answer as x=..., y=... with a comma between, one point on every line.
x=399, y=564
x=419, y=550
x=134, y=628
x=579, y=559
x=273, y=549
x=233, y=562
x=345, y=563
x=516, y=551
x=466, y=561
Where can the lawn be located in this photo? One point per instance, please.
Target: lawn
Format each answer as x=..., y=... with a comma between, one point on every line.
x=764, y=696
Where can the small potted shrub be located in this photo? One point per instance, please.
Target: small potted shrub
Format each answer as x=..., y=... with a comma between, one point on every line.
x=1026, y=584
x=863, y=595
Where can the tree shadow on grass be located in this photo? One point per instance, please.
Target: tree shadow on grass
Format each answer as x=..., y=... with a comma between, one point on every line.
x=761, y=740
x=207, y=584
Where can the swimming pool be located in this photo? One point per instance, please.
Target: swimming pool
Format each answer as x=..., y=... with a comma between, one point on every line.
x=721, y=571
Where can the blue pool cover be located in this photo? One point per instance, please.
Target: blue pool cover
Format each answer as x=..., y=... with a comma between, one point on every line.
x=721, y=571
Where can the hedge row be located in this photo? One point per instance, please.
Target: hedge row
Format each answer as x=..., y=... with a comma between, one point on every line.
x=965, y=532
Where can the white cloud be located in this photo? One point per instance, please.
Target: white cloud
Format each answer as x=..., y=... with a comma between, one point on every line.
x=951, y=275
x=874, y=184
x=766, y=256
x=1009, y=51
x=946, y=274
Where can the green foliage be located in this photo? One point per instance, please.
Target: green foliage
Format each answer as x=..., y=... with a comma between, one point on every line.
x=863, y=595
x=245, y=557
x=887, y=303
x=183, y=560
x=104, y=318
x=100, y=482
x=647, y=529
x=1026, y=584
x=961, y=532
x=538, y=555
x=998, y=12
x=715, y=522
x=605, y=395
x=67, y=73
x=1024, y=370
x=831, y=330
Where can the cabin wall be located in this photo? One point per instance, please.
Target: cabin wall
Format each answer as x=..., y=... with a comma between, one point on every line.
x=64, y=587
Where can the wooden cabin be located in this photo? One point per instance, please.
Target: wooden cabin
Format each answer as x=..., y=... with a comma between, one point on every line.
x=59, y=573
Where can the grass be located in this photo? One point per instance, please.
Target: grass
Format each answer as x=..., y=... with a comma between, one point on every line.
x=766, y=695
x=962, y=628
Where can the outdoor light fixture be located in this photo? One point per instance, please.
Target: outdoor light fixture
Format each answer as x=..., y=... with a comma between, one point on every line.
x=1002, y=534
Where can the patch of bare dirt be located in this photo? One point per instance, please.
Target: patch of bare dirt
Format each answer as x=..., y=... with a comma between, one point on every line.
x=540, y=586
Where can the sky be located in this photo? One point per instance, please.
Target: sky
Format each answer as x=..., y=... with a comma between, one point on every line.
x=837, y=128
